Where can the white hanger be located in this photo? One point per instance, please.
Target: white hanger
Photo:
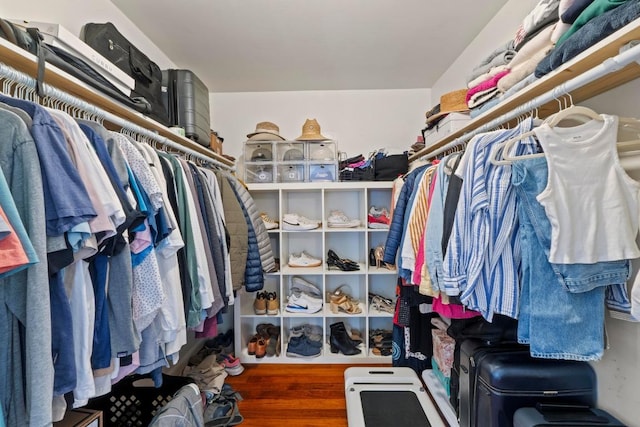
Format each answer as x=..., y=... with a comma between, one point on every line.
x=575, y=112
x=503, y=148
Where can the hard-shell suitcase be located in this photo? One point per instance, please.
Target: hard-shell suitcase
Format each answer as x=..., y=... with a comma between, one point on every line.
x=512, y=379
x=471, y=352
x=187, y=101
x=566, y=416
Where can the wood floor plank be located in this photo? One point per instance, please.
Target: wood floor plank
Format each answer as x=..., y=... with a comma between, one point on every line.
x=292, y=395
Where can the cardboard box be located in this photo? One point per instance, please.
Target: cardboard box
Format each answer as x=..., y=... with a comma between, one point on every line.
x=81, y=417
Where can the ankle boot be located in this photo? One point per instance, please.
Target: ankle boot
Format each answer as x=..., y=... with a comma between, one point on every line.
x=340, y=340
x=340, y=328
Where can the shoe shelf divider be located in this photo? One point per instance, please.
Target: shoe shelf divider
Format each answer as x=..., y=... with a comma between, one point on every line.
x=315, y=201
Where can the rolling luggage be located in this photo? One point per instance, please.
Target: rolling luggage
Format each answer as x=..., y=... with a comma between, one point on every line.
x=496, y=381
x=187, y=101
x=567, y=416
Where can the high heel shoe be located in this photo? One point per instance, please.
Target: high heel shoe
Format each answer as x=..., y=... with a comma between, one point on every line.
x=344, y=264
x=341, y=301
x=378, y=254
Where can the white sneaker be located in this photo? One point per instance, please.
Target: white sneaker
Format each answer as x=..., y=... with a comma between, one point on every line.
x=339, y=219
x=303, y=260
x=292, y=221
x=305, y=286
x=303, y=303
x=269, y=222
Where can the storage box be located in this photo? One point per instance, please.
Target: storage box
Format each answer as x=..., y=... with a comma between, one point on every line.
x=58, y=36
x=325, y=151
x=258, y=172
x=323, y=172
x=452, y=123
x=258, y=151
x=289, y=151
x=291, y=172
x=443, y=347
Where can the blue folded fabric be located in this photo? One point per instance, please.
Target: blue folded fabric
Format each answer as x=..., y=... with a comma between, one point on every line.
x=591, y=33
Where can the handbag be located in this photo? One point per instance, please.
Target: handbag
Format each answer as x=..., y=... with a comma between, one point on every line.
x=108, y=42
x=390, y=167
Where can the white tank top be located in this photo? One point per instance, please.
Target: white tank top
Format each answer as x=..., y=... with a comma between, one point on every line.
x=591, y=202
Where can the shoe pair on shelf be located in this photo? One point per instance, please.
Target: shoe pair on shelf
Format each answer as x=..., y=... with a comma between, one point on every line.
x=303, y=302
x=303, y=260
x=266, y=303
x=342, y=301
x=297, y=222
x=266, y=341
x=269, y=223
x=380, y=303
x=341, y=341
x=305, y=341
x=376, y=256
x=344, y=264
x=381, y=342
x=378, y=217
x=337, y=219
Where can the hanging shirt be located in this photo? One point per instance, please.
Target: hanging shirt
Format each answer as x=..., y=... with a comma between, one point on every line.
x=483, y=257
x=16, y=250
x=585, y=175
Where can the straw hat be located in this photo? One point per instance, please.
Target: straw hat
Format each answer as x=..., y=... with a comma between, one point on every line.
x=452, y=102
x=265, y=131
x=311, y=131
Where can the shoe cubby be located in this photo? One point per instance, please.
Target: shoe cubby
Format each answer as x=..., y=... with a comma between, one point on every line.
x=317, y=201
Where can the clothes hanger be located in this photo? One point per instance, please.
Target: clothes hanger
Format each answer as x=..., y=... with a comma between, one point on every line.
x=574, y=112
x=499, y=152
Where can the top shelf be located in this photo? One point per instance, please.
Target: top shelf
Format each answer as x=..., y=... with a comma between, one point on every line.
x=587, y=60
x=27, y=63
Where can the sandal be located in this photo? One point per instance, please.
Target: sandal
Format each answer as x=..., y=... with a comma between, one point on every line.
x=344, y=303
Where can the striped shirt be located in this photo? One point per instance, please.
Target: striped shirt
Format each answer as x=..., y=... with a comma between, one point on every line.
x=483, y=258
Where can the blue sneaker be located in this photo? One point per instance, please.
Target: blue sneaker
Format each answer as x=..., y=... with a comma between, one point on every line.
x=300, y=347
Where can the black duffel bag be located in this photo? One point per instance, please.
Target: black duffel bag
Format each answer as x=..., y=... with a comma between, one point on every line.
x=390, y=167
x=108, y=42
x=31, y=41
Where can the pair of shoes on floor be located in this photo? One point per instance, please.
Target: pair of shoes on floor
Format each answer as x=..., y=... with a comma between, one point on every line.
x=303, y=302
x=266, y=303
x=344, y=264
x=378, y=218
x=337, y=219
x=297, y=222
x=222, y=409
x=231, y=364
x=303, y=260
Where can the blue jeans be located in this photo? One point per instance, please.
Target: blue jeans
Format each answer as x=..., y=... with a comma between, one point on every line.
x=561, y=305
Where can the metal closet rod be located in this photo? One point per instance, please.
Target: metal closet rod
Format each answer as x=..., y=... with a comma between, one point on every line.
x=11, y=74
x=629, y=53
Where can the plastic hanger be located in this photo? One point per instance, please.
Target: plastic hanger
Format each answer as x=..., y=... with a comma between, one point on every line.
x=574, y=112
x=499, y=153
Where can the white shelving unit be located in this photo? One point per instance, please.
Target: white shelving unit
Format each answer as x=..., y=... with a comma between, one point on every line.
x=316, y=201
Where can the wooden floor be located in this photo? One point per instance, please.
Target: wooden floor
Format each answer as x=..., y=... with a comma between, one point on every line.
x=298, y=395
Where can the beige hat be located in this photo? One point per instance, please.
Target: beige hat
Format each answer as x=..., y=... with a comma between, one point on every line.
x=311, y=131
x=265, y=131
x=452, y=102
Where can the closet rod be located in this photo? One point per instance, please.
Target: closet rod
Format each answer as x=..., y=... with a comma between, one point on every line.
x=13, y=75
x=629, y=53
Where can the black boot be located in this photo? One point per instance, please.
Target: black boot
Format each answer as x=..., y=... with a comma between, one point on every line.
x=340, y=340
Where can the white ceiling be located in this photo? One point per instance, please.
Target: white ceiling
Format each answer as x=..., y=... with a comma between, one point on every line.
x=283, y=45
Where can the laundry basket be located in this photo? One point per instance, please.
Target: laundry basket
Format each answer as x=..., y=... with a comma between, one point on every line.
x=134, y=400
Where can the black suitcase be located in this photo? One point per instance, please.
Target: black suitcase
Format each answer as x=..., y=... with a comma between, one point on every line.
x=107, y=41
x=187, y=101
x=471, y=352
x=507, y=379
x=566, y=416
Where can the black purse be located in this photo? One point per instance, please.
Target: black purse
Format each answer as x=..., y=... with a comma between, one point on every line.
x=390, y=167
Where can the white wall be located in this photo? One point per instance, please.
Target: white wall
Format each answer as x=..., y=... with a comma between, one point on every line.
x=360, y=120
x=498, y=31
x=619, y=370
x=73, y=14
